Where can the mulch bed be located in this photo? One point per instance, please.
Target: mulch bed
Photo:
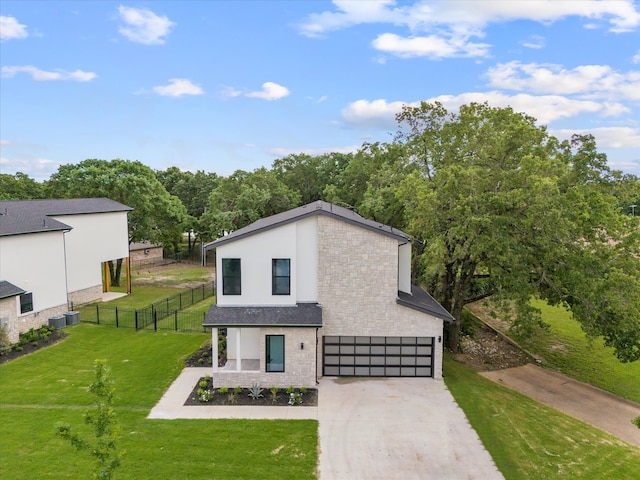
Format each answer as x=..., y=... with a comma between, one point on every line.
x=309, y=399
x=31, y=347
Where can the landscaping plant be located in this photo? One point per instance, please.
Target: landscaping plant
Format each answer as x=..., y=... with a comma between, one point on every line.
x=106, y=426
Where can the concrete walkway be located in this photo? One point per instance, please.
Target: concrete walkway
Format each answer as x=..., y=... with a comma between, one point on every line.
x=397, y=428
x=171, y=405
x=585, y=402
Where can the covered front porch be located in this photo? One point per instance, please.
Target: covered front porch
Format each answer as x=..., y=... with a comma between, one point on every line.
x=270, y=346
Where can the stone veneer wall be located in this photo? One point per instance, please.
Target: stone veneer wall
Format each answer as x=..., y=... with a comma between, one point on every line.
x=358, y=288
x=86, y=295
x=299, y=366
x=17, y=324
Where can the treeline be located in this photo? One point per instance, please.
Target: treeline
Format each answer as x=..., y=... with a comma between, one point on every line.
x=498, y=207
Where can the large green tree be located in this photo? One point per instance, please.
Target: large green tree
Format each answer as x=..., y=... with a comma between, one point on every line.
x=245, y=197
x=157, y=216
x=19, y=187
x=506, y=211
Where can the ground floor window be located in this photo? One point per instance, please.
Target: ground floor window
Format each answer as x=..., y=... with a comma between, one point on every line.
x=275, y=353
x=26, y=302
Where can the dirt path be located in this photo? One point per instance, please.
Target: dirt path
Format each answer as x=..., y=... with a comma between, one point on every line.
x=585, y=402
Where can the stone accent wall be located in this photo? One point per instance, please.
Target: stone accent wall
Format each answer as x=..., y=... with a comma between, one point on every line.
x=138, y=257
x=299, y=366
x=86, y=295
x=17, y=324
x=358, y=287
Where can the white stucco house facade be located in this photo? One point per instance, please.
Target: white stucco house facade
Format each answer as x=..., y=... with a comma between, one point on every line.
x=321, y=291
x=51, y=256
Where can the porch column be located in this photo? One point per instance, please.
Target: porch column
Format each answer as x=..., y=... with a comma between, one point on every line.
x=239, y=350
x=215, y=349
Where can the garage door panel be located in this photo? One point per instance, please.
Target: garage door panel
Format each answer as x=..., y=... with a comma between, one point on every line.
x=378, y=356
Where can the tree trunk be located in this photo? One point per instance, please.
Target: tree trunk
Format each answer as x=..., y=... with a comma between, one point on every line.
x=115, y=271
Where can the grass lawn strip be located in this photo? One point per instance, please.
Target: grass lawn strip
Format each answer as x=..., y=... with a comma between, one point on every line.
x=143, y=365
x=528, y=440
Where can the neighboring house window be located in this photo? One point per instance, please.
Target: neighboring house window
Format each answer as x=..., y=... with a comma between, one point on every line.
x=281, y=276
x=275, y=353
x=26, y=302
x=231, y=279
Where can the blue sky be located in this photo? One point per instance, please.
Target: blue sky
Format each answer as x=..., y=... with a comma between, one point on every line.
x=226, y=85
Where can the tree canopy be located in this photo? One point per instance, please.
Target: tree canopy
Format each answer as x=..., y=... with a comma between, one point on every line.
x=504, y=210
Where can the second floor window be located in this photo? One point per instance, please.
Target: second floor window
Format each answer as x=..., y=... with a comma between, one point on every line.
x=280, y=276
x=231, y=278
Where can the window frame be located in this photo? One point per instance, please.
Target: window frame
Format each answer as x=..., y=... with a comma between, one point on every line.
x=236, y=287
x=275, y=277
x=268, y=364
x=26, y=302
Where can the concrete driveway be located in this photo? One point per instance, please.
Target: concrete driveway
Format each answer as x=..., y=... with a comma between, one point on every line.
x=392, y=428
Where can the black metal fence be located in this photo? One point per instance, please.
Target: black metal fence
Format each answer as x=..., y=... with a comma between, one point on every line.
x=166, y=314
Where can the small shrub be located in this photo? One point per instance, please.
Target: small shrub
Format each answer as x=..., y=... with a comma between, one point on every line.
x=290, y=390
x=255, y=392
x=295, y=398
x=223, y=390
x=237, y=390
x=636, y=421
x=203, y=383
x=35, y=344
x=18, y=348
x=231, y=398
x=5, y=345
x=201, y=360
x=303, y=390
x=205, y=395
x=274, y=394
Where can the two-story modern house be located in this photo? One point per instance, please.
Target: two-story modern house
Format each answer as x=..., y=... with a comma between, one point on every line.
x=52, y=254
x=321, y=291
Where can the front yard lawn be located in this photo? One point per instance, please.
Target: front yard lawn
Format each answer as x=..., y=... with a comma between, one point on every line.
x=528, y=440
x=50, y=385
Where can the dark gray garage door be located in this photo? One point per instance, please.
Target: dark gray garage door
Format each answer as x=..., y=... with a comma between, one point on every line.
x=377, y=356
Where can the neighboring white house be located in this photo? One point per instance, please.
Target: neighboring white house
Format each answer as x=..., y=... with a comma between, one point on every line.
x=52, y=254
x=321, y=291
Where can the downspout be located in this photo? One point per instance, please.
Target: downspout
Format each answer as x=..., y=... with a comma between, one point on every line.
x=317, y=380
x=66, y=277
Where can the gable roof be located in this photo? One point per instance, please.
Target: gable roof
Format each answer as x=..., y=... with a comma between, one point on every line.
x=31, y=216
x=300, y=315
x=9, y=290
x=420, y=300
x=305, y=211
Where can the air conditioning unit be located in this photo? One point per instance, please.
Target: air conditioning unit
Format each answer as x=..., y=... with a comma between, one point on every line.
x=72, y=318
x=57, y=322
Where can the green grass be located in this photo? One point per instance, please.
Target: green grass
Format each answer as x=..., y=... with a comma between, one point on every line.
x=528, y=440
x=50, y=385
x=566, y=348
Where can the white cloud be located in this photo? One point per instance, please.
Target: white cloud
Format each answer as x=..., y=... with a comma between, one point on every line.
x=42, y=75
x=284, y=152
x=270, y=91
x=10, y=29
x=468, y=15
x=431, y=46
x=229, y=92
x=592, y=80
x=636, y=57
x=178, y=87
x=534, y=42
x=545, y=108
x=144, y=26
x=37, y=168
x=606, y=137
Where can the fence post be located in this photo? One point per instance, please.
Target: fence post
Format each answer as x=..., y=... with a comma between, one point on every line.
x=98, y=313
x=175, y=313
x=155, y=321
x=192, y=300
x=116, y=317
x=136, y=315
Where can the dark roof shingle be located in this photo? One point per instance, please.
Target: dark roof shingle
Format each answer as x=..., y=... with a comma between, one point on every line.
x=300, y=315
x=423, y=302
x=32, y=216
x=315, y=208
x=9, y=289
